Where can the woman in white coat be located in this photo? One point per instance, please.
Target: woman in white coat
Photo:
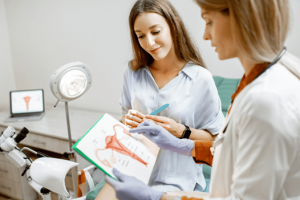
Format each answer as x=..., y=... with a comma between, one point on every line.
x=257, y=153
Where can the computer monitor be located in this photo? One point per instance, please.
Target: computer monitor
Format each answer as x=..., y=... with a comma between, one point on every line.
x=27, y=102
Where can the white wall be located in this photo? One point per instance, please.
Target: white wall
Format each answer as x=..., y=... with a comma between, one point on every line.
x=48, y=34
x=293, y=40
x=7, y=80
x=45, y=35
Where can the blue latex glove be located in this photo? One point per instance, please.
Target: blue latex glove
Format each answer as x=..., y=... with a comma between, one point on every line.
x=129, y=188
x=163, y=138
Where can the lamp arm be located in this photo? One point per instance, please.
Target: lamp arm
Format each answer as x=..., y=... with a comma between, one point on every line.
x=56, y=103
x=72, y=154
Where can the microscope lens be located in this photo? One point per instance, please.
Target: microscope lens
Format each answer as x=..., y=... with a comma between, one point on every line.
x=21, y=135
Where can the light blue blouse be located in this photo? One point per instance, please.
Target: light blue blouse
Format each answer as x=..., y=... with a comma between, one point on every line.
x=194, y=101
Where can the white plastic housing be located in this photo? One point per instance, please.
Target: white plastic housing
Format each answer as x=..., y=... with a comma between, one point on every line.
x=9, y=131
x=8, y=145
x=17, y=158
x=50, y=173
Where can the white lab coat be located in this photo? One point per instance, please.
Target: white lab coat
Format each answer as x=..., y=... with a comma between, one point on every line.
x=259, y=155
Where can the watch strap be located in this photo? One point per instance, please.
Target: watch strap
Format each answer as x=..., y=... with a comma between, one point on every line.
x=186, y=133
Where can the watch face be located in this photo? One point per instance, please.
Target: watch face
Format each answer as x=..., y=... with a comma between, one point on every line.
x=187, y=132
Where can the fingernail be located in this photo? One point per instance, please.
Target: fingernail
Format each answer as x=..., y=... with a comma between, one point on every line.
x=133, y=111
x=128, y=121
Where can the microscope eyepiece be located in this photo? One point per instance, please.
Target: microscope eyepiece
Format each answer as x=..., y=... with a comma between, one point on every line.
x=9, y=132
x=21, y=135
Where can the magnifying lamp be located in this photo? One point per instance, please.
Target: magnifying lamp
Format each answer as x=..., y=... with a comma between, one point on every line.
x=68, y=83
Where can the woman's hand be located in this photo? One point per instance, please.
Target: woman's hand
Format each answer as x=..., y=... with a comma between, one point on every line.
x=163, y=138
x=169, y=124
x=133, y=118
x=129, y=188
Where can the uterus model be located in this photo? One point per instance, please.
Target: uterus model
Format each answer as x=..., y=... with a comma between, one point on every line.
x=115, y=145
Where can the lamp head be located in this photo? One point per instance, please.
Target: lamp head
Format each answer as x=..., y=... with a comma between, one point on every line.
x=70, y=81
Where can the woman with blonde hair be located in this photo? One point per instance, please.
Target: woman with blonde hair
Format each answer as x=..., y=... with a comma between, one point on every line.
x=257, y=153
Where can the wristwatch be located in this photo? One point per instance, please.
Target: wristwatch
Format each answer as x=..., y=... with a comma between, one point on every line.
x=186, y=133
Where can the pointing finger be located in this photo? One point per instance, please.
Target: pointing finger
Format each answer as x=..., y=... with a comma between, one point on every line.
x=143, y=129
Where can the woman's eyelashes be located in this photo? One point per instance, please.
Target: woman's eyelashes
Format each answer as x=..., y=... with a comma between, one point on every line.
x=153, y=33
x=208, y=23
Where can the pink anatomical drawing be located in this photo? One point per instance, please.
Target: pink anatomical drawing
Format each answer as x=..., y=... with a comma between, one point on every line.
x=28, y=101
x=115, y=145
x=108, y=144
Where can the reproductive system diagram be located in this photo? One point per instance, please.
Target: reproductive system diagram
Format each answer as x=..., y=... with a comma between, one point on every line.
x=119, y=148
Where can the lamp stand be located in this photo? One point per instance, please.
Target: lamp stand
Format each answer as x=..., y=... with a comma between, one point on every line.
x=72, y=153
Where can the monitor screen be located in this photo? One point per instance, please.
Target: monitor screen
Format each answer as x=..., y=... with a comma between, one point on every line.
x=29, y=101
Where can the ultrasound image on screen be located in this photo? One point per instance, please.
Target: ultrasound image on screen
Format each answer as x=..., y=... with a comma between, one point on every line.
x=27, y=101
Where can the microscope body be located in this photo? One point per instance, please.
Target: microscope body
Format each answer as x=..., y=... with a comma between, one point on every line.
x=15, y=156
x=8, y=144
x=38, y=172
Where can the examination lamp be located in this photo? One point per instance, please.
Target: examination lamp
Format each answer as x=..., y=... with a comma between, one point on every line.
x=68, y=83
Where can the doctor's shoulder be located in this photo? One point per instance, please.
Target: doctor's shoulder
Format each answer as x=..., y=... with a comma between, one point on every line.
x=269, y=99
x=279, y=82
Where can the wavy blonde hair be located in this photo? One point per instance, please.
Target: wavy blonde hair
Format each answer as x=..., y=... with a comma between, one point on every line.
x=260, y=26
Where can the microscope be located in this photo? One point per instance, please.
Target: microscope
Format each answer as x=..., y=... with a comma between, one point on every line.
x=45, y=174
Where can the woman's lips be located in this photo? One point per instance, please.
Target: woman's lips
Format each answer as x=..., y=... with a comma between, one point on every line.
x=155, y=50
x=214, y=47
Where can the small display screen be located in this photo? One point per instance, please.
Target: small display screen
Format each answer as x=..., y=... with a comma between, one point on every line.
x=31, y=101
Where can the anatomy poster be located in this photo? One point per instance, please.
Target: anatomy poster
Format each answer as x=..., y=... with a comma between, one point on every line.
x=110, y=145
x=27, y=101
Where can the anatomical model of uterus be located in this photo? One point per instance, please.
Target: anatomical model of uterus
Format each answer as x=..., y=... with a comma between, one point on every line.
x=115, y=145
x=27, y=99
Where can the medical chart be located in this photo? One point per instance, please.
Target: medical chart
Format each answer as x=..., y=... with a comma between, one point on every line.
x=108, y=144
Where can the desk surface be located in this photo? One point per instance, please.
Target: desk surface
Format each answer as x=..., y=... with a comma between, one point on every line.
x=54, y=122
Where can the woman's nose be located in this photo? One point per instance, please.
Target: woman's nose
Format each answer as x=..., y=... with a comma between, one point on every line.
x=150, y=41
x=206, y=36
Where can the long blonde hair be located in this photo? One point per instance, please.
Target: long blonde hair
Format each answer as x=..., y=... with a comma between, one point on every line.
x=260, y=27
x=184, y=47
